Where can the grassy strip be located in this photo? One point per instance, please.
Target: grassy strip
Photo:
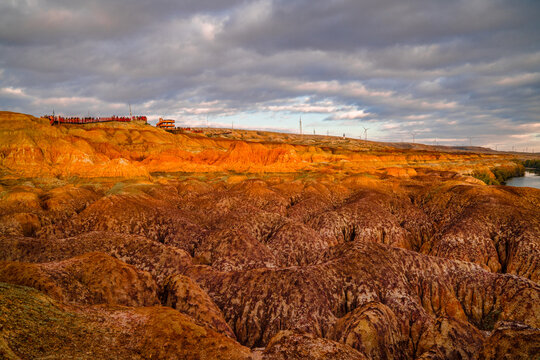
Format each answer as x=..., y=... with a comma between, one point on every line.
x=499, y=174
x=535, y=164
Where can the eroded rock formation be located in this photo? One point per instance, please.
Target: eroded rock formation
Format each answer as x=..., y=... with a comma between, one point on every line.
x=92, y=278
x=296, y=249
x=183, y=294
x=296, y=346
x=32, y=325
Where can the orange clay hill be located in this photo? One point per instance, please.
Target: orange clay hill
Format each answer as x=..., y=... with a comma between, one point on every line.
x=121, y=240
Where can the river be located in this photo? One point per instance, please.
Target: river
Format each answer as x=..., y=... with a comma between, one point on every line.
x=531, y=179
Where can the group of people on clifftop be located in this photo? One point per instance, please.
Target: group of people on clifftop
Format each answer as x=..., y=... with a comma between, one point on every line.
x=86, y=120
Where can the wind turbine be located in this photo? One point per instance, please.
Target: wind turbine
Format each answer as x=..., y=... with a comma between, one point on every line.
x=365, y=133
x=413, y=135
x=300, y=125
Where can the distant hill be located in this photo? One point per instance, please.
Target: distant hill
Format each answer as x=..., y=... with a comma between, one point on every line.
x=31, y=147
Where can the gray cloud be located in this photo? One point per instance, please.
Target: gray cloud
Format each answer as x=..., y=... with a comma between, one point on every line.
x=448, y=69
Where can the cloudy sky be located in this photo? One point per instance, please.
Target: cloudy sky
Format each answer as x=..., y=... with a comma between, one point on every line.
x=455, y=72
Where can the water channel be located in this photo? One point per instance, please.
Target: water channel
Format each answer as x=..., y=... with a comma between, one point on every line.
x=531, y=179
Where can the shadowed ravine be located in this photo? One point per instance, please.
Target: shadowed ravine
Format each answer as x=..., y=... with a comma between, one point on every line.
x=123, y=241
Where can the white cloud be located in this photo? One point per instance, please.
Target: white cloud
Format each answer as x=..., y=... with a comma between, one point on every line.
x=351, y=115
x=12, y=92
x=390, y=63
x=520, y=79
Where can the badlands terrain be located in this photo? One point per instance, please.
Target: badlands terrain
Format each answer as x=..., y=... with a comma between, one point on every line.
x=123, y=241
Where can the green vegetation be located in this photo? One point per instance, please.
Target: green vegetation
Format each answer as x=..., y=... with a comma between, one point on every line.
x=487, y=323
x=498, y=175
x=504, y=173
x=535, y=164
x=33, y=325
x=484, y=176
x=116, y=189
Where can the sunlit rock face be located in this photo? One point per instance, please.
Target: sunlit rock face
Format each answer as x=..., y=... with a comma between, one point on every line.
x=92, y=278
x=144, y=254
x=295, y=345
x=183, y=294
x=36, y=326
x=265, y=248
x=33, y=148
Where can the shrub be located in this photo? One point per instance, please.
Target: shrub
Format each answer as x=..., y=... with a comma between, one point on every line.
x=500, y=174
x=532, y=163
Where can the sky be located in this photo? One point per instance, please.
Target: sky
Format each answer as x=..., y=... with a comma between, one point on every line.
x=450, y=72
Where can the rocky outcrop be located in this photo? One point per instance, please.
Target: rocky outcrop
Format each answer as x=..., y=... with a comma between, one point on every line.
x=234, y=249
x=372, y=329
x=260, y=302
x=315, y=257
x=383, y=300
x=157, y=259
x=168, y=334
x=289, y=345
x=302, y=247
x=137, y=214
x=31, y=147
x=296, y=244
x=92, y=278
x=490, y=226
x=365, y=216
x=183, y=294
x=448, y=338
x=33, y=325
x=512, y=340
